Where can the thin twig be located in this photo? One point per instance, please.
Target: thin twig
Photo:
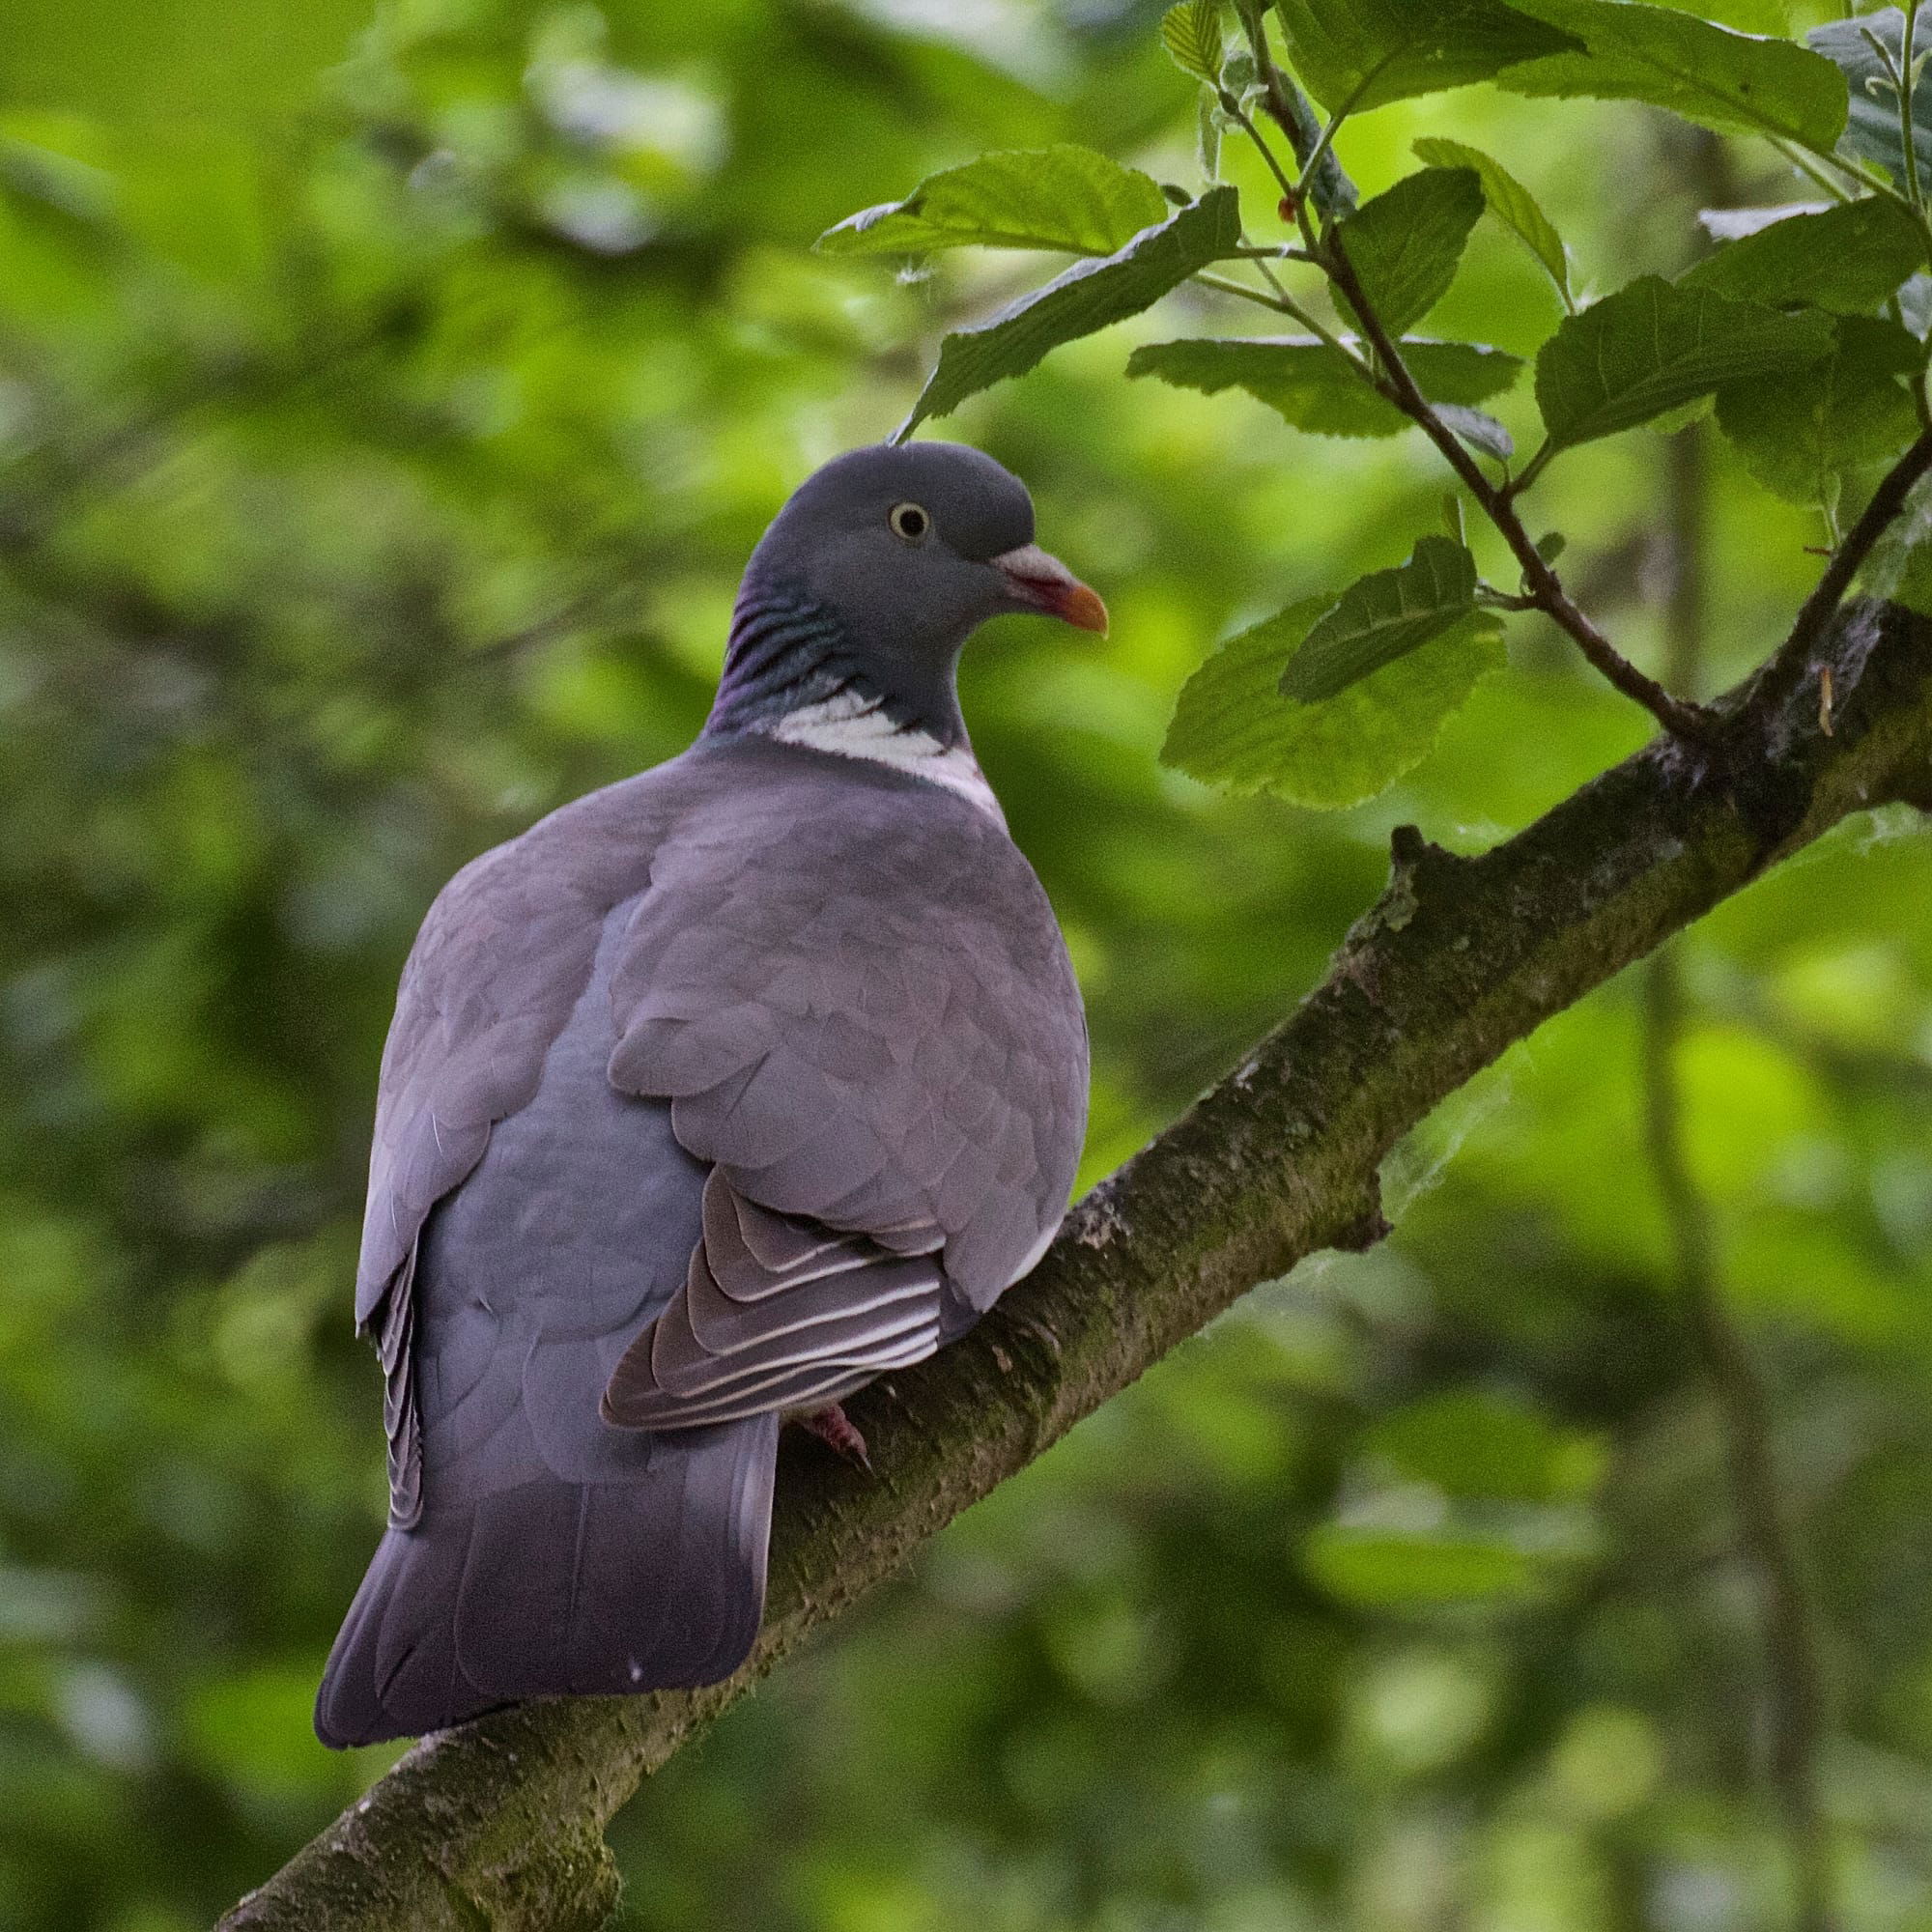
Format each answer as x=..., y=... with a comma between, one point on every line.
x=1540, y=582
x=1397, y=385
x=1285, y=304
x=1325, y=141
x=1280, y=110
x=1782, y=675
x=1235, y=112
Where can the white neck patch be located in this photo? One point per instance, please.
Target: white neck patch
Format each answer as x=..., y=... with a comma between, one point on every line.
x=852, y=726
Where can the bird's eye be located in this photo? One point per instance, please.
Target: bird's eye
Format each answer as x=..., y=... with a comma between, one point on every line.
x=910, y=524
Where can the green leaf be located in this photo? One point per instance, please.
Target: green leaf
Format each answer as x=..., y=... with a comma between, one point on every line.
x=1849, y=259
x=1406, y=243
x=1381, y=617
x=1871, y=131
x=1090, y=296
x=1314, y=387
x=1385, y=1569
x=1748, y=17
x=1472, y=1442
x=1733, y=224
x=1802, y=434
x=1899, y=568
x=1191, y=33
x=1063, y=197
x=1651, y=347
x=1232, y=729
x=1358, y=54
x=1914, y=304
x=1481, y=433
x=1331, y=190
x=1509, y=201
x=1208, y=126
x=1732, y=82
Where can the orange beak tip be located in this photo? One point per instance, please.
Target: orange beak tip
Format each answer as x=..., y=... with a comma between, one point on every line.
x=1083, y=608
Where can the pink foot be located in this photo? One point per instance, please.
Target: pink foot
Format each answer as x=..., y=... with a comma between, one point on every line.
x=834, y=1428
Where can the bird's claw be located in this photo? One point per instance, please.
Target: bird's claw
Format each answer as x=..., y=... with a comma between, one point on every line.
x=835, y=1429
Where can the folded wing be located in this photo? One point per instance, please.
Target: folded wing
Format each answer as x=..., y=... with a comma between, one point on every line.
x=868, y=1028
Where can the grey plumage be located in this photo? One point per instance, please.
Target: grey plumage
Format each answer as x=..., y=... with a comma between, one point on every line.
x=715, y=1094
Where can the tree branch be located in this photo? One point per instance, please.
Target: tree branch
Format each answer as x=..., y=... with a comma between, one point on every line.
x=499, y=1823
x=1682, y=720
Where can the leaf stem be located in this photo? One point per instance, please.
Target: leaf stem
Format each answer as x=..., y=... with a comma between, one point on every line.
x=1325, y=140
x=1254, y=28
x=1861, y=174
x=1240, y=115
x=1284, y=303
x=1805, y=165
x=1908, y=86
x=1270, y=277
x=1530, y=471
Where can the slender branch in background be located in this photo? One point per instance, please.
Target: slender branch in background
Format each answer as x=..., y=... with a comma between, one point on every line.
x=1793, y=1676
x=544, y=630
x=1687, y=540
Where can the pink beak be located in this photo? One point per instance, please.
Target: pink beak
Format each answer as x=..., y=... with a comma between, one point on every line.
x=1043, y=582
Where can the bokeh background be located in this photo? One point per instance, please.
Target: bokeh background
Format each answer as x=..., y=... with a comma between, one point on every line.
x=386, y=405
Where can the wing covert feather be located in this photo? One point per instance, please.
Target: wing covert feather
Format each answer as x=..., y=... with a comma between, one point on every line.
x=854, y=991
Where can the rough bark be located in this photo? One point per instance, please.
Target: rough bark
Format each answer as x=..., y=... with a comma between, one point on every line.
x=500, y=1824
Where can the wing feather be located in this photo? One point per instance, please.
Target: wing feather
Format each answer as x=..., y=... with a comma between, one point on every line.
x=854, y=995
x=744, y=1335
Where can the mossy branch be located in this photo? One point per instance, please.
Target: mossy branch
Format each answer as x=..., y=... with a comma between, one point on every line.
x=501, y=1823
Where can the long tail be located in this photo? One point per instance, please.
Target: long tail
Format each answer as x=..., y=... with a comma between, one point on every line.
x=557, y=1588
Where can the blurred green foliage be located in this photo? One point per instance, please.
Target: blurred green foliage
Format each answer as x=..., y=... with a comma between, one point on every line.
x=385, y=411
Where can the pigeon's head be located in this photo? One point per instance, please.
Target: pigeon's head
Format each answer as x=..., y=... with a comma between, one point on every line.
x=914, y=546
x=876, y=571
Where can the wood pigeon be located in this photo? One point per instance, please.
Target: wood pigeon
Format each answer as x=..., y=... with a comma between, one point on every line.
x=709, y=1098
